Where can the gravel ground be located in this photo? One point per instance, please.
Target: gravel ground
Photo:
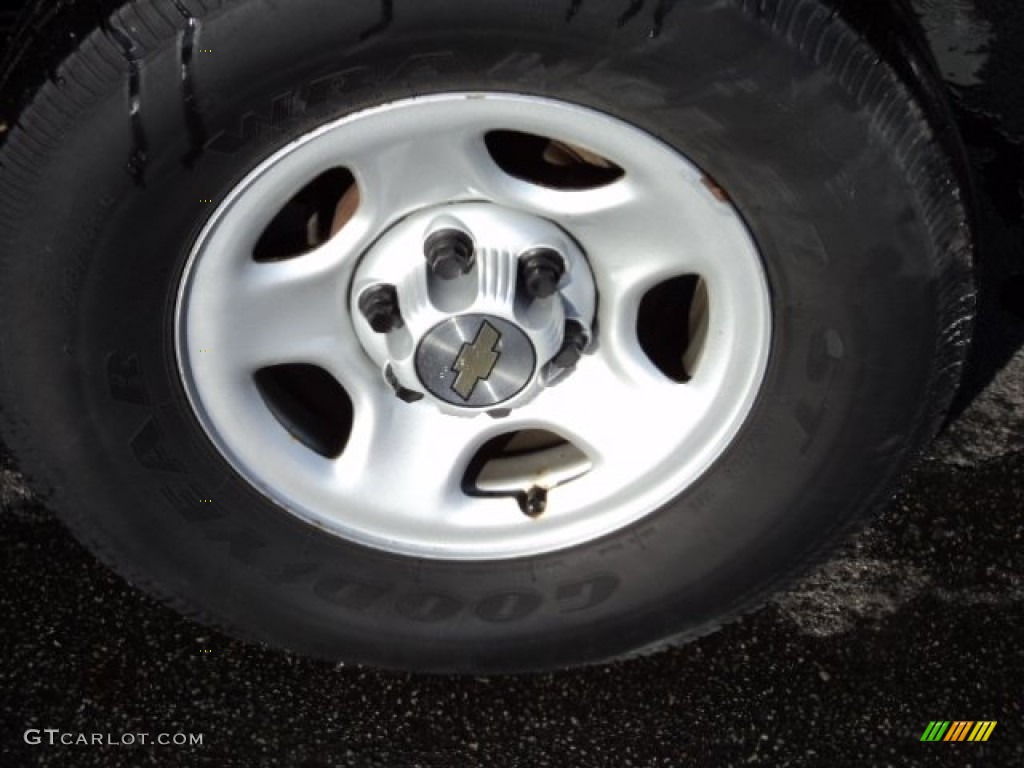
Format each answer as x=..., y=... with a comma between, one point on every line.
x=919, y=618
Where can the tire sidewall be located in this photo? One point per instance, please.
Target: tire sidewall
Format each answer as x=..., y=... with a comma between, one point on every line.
x=847, y=257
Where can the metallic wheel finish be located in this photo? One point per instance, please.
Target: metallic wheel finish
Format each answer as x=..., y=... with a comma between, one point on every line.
x=475, y=361
x=398, y=484
x=491, y=284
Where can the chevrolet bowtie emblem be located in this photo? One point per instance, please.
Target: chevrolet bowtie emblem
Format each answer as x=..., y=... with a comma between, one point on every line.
x=476, y=361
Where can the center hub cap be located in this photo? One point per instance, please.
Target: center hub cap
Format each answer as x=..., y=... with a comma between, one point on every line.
x=474, y=307
x=476, y=361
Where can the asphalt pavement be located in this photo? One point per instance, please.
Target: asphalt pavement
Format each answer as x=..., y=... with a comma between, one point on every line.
x=918, y=619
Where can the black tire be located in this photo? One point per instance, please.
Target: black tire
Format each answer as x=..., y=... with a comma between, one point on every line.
x=853, y=203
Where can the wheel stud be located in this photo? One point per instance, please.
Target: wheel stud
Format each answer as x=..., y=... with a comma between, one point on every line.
x=449, y=253
x=533, y=502
x=379, y=305
x=541, y=271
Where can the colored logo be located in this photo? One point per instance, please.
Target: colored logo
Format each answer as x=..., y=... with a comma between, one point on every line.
x=476, y=361
x=958, y=730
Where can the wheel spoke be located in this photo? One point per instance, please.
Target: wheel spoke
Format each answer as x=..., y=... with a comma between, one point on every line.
x=448, y=165
x=292, y=311
x=643, y=240
x=453, y=165
x=617, y=414
x=286, y=313
x=408, y=457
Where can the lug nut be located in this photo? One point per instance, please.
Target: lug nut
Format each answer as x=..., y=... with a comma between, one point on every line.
x=541, y=271
x=449, y=253
x=379, y=305
x=573, y=343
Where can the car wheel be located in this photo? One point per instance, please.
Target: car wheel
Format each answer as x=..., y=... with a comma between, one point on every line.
x=474, y=337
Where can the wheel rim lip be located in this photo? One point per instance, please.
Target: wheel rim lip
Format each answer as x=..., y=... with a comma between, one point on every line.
x=630, y=505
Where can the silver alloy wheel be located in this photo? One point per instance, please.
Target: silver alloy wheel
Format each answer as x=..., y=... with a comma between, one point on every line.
x=399, y=483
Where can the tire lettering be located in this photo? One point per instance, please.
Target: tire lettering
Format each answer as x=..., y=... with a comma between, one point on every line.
x=289, y=573
x=350, y=594
x=575, y=596
x=186, y=502
x=803, y=241
x=323, y=88
x=824, y=362
x=254, y=125
x=73, y=275
x=241, y=544
x=809, y=419
x=826, y=351
x=422, y=65
x=434, y=607
x=71, y=278
x=290, y=104
x=508, y=606
x=428, y=607
x=249, y=549
x=124, y=376
x=147, y=445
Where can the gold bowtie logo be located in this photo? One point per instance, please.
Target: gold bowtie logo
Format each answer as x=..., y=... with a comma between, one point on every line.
x=476, y=361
